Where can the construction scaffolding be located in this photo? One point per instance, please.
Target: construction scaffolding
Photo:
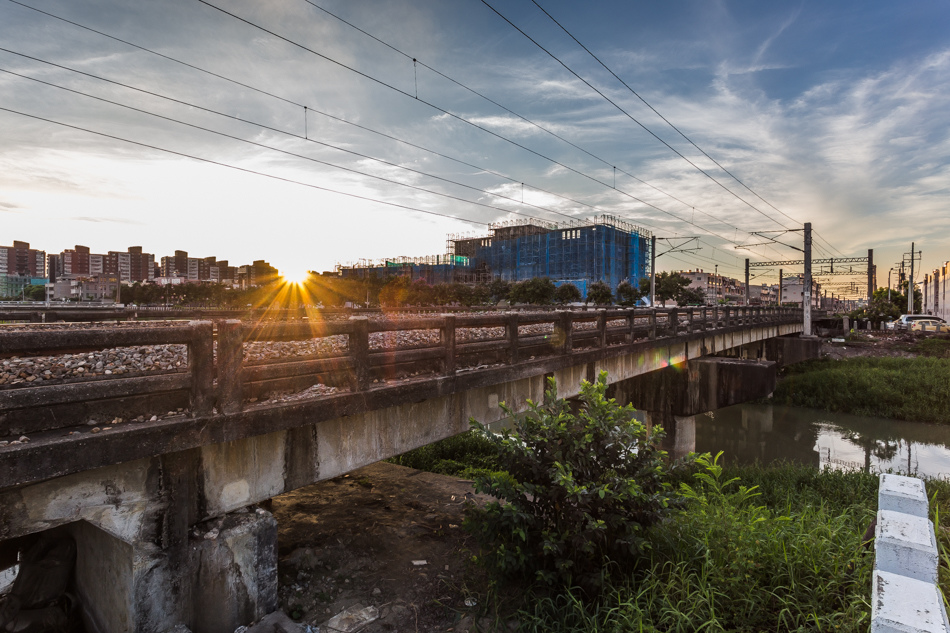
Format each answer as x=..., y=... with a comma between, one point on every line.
x=603, y=248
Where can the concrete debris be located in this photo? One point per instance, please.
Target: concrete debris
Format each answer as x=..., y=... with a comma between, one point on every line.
x=352, y=619
x=420, y=563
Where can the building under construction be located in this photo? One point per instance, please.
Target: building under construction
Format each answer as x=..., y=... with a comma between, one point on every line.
x=579, y=252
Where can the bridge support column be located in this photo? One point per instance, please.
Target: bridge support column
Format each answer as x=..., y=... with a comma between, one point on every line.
x=672, y=397
x=680, y=432
x=145, y=561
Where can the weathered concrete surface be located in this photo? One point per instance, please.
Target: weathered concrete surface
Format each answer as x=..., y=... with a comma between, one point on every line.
x=902, y=494
x=906, y=545
x=904, y=592
x=904, y=605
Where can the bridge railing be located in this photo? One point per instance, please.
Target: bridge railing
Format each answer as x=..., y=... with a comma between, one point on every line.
x=38, y=407
x=357, y=353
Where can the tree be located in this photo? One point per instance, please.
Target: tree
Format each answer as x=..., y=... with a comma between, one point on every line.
x=499, y=289
x=691, y=297
x=628, y=295
x=35, y=293
x=567, y=293
x=578, y=488
x=669, y=286
x=536, y=291
x=395, y=292
x=599, y=293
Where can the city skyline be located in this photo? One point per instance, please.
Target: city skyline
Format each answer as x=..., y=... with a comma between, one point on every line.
x=832, y=113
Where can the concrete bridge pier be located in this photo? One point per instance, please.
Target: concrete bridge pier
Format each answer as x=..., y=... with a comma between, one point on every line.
x=673, y=396
x=144, y=562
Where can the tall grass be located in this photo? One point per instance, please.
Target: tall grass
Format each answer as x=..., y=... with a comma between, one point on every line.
x=915, y=389
x=785, y=556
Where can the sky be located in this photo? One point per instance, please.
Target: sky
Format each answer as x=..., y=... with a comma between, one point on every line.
x=315, y=132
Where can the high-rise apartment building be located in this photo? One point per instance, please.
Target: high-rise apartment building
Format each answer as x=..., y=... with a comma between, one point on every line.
x=76, y=260
x=22, y=260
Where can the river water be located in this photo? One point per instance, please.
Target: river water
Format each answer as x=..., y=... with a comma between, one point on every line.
x=766, y=433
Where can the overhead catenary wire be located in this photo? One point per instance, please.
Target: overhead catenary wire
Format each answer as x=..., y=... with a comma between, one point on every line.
x=242, y=169
x=279, y=150
x=310, y=108
x=639, y=219
x=516, y=114
x=655, y=111
x=295, y=103
x=455, y=116
x=627, y=114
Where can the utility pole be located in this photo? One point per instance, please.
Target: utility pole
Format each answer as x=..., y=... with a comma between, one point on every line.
x=870, y=274
x=780, y=287
x=806, y=295
x=747, y=294
x=889, y=284
x=910, y=283
x=653, y=271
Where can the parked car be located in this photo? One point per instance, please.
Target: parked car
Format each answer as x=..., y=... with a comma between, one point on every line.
x=906, y=320
x=929, y=325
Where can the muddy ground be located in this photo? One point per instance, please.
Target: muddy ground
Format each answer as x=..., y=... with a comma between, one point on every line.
x=384, y=536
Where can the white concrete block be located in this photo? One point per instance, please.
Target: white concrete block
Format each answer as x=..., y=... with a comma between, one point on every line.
x=904, y=605
x=902, y=494
x=905, y=544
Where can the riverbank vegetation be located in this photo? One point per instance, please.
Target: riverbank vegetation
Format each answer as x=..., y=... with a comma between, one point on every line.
x=916, y=389
x=740, y=548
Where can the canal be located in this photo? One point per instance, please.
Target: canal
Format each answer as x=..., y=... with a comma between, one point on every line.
x=767, y=433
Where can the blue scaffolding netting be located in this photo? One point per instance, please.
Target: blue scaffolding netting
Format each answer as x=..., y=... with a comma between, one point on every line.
x=600, y=249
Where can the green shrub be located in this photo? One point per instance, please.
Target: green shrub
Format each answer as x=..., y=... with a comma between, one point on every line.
x=579, y=490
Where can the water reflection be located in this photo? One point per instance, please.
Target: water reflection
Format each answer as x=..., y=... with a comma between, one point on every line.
x=765, y=433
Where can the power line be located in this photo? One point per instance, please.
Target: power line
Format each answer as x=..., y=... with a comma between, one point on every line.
x=281, y=151
x=306, y=107
x=665, y=120
x=243, y=169
x=627, y=114
x=389, y=136
x=148, y=50
x=516, y=114
x=266, y=127
x=457, y=117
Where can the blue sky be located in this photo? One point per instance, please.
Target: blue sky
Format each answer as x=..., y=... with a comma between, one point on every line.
x=832, y=112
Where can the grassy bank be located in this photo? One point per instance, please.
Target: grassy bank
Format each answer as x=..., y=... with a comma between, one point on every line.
x=916, y=389
x=778, y=548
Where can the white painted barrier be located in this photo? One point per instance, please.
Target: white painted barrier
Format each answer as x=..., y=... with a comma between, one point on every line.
x=905, y=597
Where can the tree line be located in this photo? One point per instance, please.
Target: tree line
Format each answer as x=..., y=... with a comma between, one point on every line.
x=400, y=291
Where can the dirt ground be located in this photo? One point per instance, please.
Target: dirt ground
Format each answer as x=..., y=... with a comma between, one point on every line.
x=384, y=536
x=874, y=343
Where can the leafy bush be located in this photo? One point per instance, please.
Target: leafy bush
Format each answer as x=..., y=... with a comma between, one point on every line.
x=536, y=291
x=579, y=490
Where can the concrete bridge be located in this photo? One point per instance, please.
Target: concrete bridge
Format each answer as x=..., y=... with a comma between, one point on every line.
x=163, y=509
